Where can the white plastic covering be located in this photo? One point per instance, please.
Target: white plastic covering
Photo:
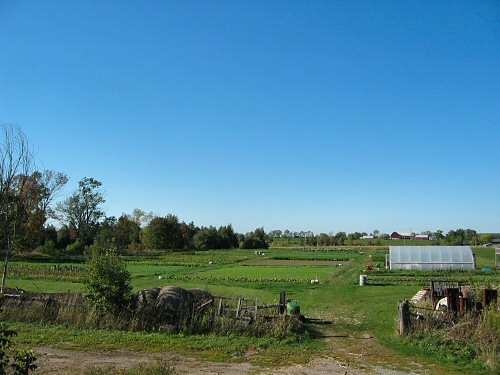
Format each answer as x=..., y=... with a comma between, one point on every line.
x=426, y=258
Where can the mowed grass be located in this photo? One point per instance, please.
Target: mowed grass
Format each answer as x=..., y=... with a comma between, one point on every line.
x=338, y=298
x=485, y=257
x=292, y=274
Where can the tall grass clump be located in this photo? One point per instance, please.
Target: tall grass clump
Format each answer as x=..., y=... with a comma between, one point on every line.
x=487, y=337
x=72, y=309
x=471, y=339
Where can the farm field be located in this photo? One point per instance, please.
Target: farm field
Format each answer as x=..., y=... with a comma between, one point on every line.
x=362, y=329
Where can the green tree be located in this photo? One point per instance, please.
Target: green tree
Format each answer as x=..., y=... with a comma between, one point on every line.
x=163, y=233
x=324, y=240
x=35, y=193
x=207, y=238
x=107, y=281
x=63, y=238
x=127, y=234
x=82, y=211
x=340, y=238
x=275, y=234
x=105, y=237
x=188, y=232
x=228, y=239
x=456, y=237
x=255, y=240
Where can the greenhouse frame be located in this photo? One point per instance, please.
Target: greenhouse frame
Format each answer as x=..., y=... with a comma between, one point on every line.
x=428, y=258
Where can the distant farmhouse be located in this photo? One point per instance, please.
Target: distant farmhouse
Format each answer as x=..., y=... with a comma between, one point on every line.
x=408, y=236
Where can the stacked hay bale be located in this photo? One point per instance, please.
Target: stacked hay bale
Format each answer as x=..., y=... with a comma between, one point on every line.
x=167, y=307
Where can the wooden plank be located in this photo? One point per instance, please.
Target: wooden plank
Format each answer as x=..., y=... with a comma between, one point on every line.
x=239, y=307
x=220, y=309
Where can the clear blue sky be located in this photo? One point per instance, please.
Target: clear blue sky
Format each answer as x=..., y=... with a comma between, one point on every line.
x=322, y=116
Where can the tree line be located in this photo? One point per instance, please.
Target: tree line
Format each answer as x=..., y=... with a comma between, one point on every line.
x=453, y=237
x=30, y=215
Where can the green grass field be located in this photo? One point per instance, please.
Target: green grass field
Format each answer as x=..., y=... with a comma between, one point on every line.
x=241, y=273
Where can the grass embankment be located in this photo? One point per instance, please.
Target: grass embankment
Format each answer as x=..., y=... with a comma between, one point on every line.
x=241, y=273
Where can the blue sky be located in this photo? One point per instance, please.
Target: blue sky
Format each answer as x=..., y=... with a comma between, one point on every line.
x=322, y=116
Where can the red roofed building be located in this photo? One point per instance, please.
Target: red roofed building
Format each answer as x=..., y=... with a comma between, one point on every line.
x=400, y=236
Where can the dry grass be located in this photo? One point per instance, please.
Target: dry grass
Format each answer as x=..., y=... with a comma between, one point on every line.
x=481, y=329
x=71, y=309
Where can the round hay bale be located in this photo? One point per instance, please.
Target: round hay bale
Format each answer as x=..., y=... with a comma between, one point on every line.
x=174, y=303
x=200, y=295
x=145, y=298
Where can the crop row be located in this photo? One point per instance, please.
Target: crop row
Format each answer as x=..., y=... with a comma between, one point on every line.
x=413, y=280
x=167, y=264
x=188, y=261
x=67, y=268
x=237, y=279
x=330, y=251
x=280, y=257
x=68, y=272
x=448, y=273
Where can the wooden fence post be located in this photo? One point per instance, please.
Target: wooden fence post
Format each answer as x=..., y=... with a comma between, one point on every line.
x=403, y=317
x=282, y=306
x=238, y=308
x=221, y=306
x=452, y=295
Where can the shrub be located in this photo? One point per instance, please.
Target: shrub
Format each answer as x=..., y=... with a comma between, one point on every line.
x=20, y=361
x=76, y=248
x=48, y=248
x=107, y=281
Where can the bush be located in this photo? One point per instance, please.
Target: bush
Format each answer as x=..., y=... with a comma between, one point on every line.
x=48, y=248
x=76, y=248
x=107, y=281
x=20, y=361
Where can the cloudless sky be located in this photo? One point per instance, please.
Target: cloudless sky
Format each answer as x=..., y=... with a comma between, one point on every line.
x=300, y=115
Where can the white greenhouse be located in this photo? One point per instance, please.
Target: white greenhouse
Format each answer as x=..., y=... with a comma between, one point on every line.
x=426, y=258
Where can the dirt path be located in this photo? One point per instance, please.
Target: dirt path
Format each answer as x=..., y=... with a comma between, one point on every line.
x=349, y=356
x=58, y=361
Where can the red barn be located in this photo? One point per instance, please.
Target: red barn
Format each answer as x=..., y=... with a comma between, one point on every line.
x=400, y=236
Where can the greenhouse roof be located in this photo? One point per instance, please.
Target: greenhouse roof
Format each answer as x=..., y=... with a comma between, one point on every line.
x=431, y=258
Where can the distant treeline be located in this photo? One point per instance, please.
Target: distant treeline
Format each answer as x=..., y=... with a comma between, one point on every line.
x=27, y=207
x=453, y=237
x=141, y=232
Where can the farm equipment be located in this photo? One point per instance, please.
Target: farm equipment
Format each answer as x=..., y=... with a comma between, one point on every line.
x=292, y=307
